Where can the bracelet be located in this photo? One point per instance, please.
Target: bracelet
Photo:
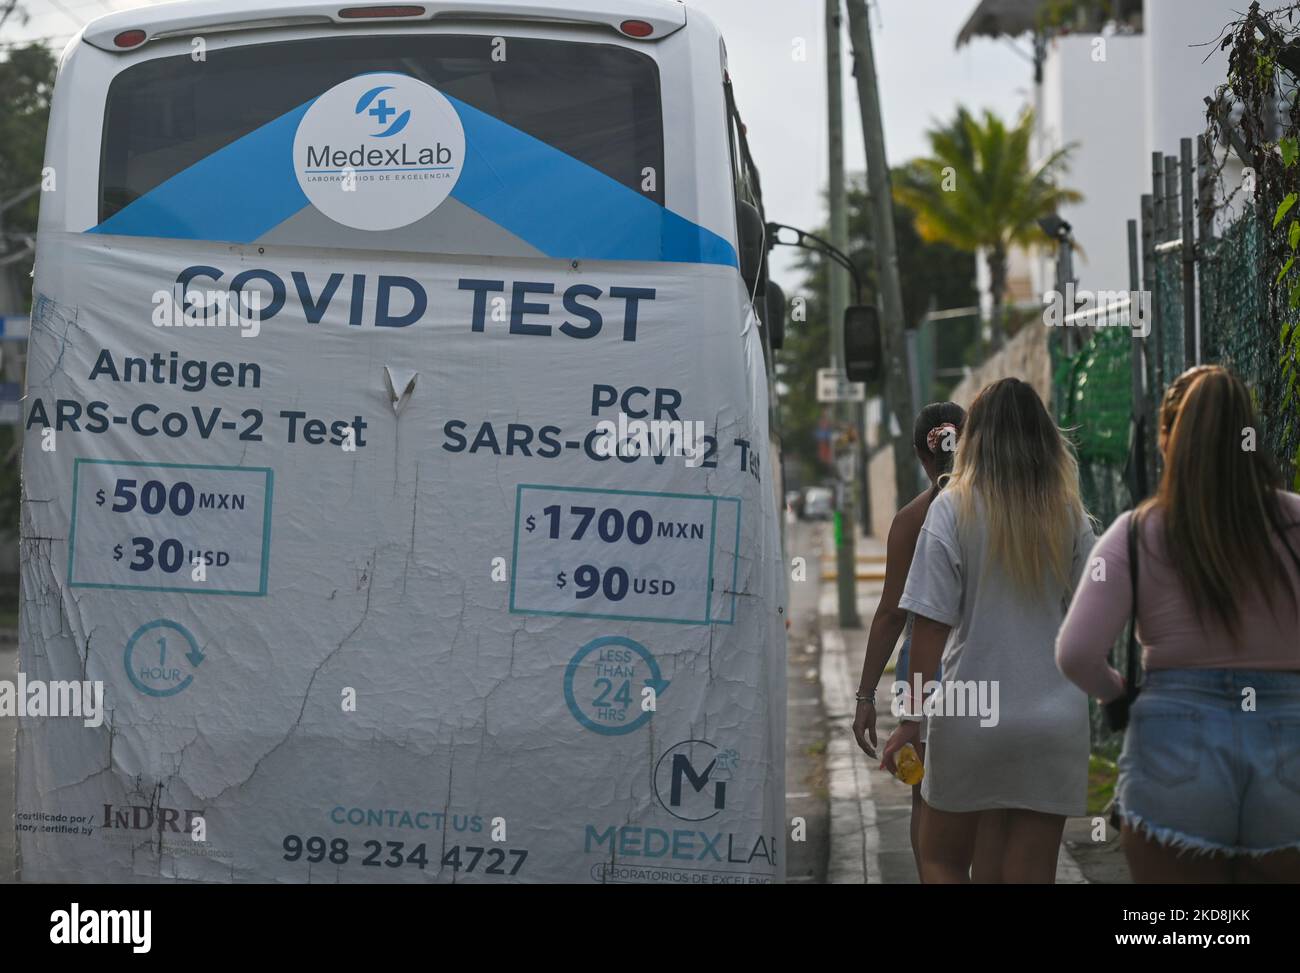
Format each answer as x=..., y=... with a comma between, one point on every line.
x=867, y=697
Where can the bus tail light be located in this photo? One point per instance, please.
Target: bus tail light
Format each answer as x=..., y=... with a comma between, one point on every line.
x=130, y=38
x=382, y=13
x=636, y=28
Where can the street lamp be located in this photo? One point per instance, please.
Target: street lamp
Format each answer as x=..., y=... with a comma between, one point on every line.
x=1059, y=230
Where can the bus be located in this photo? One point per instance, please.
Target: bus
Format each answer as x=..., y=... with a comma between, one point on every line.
x=399, y=459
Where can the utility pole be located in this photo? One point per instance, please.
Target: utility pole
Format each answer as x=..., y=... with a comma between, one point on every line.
x=846, y=559
x=898, y=394
x=11, y=288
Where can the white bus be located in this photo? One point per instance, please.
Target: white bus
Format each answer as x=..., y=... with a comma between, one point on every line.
x=398, y=452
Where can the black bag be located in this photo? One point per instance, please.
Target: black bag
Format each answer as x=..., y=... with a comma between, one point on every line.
x=1116, y=711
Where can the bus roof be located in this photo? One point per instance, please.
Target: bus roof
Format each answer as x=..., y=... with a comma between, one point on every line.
x=189, y=17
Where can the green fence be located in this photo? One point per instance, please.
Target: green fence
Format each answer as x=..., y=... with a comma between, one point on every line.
x=1092, y=388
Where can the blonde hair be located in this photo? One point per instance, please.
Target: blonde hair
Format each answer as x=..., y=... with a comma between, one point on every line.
x=1016, y=461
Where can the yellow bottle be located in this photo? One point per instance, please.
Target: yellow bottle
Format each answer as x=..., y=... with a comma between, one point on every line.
x=910, y=768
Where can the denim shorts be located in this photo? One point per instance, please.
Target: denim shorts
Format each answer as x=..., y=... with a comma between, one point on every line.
x=902, y=671
x=1208, y=767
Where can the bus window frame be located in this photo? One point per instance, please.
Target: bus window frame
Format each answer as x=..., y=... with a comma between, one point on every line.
x=584, y=37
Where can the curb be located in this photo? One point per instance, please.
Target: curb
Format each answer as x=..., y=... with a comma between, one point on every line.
x=854, y=839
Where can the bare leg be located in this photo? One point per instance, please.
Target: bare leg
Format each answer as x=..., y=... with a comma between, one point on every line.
x=918, y=808
x=1032, y=847
x=1151, y=863
x=947, y=846
x=990, y=848
x=1279, y=867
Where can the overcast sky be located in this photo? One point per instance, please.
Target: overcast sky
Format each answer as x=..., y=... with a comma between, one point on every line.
x=783, y=99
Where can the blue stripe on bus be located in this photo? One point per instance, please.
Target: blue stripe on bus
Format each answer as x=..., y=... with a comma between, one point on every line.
x=557, y=204
x=566, y=208
x=234, y=195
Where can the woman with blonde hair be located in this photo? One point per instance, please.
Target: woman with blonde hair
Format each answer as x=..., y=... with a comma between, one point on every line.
x=999, y=554
x=1209, y=779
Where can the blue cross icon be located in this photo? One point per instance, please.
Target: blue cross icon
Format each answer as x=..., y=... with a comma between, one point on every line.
x=381, y=111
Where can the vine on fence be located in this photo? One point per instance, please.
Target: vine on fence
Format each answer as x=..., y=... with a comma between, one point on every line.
x=1256, y=114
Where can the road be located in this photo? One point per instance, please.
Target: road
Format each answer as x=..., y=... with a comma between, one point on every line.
x=807, y=794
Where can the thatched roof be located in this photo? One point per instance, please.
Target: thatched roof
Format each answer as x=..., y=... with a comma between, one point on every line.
x=1000, y=18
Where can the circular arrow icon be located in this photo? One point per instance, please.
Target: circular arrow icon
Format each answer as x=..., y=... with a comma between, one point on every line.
x=162, y=665
x=606, y=679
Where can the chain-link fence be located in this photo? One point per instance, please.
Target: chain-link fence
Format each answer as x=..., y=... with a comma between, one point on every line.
x=1093, y=387
x=1238, y=332
x=1094, y=404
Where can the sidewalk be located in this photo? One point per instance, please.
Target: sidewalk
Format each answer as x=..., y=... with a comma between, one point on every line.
x=870, y=809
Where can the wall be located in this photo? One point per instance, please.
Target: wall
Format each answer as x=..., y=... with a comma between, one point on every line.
x=1099, y=106
x=1184, y=65
x=1025, y=357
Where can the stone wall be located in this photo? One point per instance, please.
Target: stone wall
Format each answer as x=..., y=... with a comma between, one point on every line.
x=1025, y=357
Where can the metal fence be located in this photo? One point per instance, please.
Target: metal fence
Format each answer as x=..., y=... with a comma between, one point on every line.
x=1209, y=303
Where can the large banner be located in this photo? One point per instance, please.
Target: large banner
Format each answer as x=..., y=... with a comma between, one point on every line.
x=445, y=569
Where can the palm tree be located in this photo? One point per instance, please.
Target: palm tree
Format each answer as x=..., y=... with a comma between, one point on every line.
x=980, y=190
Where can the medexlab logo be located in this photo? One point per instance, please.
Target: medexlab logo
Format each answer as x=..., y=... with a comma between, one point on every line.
x=381, y=111
x=379, y=151
x=691, y=779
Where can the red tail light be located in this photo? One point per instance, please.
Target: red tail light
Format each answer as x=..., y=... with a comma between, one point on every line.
x=636, y=28
x=130, y=38
x=356, y=13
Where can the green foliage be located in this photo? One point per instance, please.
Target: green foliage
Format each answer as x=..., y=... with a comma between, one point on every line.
x=979, y=189
x=1290, y=150
x=1086, y=15
x=931, y=274
x=26, y=81
x=1259, y=50
x=1283, y=208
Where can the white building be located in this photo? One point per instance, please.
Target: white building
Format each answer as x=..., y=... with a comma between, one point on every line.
x=1118, y=94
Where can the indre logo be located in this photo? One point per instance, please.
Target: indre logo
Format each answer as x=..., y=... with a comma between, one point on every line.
x=379, y=151
x=145, y=817
x=691, y=779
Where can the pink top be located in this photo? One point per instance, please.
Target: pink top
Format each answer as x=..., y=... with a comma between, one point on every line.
x=1171, y=635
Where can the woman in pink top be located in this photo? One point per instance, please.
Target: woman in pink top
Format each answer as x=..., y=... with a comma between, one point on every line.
x=1209, y=779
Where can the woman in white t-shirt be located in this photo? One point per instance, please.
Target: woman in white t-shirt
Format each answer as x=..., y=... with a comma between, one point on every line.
x=999, y=555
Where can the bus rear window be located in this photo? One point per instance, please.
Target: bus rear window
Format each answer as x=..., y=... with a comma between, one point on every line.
x=599, y=103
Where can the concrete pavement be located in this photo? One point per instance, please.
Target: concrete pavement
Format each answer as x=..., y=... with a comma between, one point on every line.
x=870, y=810
x=805, y=738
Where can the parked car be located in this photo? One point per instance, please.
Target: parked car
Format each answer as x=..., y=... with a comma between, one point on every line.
x=818, y=503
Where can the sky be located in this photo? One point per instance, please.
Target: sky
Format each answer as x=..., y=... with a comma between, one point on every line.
x=782, y=98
